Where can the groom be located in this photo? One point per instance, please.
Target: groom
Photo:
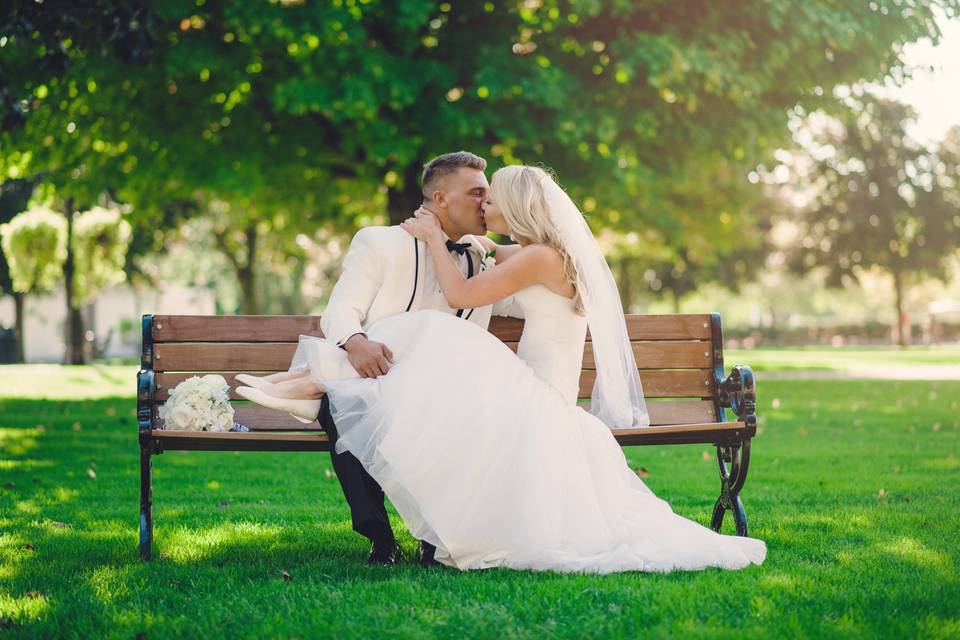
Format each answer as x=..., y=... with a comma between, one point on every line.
x=385, y=272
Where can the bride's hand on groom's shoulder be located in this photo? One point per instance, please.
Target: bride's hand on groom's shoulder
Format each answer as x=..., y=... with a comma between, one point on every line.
x=424, y=225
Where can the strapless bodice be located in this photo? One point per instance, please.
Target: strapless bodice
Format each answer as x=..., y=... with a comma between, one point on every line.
x=552, y=339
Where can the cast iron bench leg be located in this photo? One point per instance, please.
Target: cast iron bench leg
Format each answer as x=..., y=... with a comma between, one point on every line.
x=145, y=392
x=731, y=481
x=146, y=511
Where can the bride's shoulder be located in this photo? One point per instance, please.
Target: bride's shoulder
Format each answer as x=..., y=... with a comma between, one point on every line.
x=544, y=261
x=541, y=253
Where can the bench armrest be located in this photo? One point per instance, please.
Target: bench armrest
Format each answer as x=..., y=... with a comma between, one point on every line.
x=738, y=392
x=145, y=380
x=145, y=389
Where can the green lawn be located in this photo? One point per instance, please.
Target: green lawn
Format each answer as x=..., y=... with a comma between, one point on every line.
x=847, y=359
x=853, y=484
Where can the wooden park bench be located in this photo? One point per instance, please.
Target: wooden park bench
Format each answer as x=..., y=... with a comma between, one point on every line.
x=681, y=369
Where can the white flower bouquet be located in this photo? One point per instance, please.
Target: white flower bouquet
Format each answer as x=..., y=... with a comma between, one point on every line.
x=199, y=404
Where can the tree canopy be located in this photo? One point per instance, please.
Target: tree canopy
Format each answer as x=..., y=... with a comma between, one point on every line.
x=296, y=112
x=876, y=197
x=35, y=246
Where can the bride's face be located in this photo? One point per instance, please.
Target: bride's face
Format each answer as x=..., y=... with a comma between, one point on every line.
x=494, y=218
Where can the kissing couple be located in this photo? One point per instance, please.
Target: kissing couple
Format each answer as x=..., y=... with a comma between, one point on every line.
x=484, y=452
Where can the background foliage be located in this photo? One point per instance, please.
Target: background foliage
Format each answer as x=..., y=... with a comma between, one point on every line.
x=283, y=120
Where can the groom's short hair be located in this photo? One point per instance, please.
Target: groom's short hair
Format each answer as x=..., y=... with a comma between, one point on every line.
x=446, y=164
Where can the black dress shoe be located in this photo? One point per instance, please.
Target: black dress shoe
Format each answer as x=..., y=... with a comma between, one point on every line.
x=425, y=555
x=385, y=551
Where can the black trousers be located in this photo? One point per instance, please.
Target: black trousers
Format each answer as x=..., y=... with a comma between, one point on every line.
x=362, y=492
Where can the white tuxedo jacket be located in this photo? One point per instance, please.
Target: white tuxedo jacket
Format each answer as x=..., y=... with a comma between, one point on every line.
x=385, y=272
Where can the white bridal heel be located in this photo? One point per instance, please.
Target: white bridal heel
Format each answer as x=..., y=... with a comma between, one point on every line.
x=303, y=410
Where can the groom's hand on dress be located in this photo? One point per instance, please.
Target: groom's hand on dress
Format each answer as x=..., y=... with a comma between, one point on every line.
x=369, y=358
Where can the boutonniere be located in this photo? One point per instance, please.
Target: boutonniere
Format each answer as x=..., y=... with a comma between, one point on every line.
x=489, y=259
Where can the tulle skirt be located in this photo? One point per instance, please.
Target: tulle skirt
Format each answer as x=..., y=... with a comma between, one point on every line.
x=493, y=467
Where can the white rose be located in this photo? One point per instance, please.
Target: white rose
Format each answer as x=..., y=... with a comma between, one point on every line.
x=178, y=417
x=224, y=422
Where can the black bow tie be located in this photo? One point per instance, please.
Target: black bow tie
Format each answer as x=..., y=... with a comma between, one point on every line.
x=459, y=247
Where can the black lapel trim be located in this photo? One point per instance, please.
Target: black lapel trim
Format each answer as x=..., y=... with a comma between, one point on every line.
x=416, y=272
x=469, y=275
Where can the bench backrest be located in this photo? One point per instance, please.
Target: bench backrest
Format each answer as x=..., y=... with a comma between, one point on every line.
x=680, y=358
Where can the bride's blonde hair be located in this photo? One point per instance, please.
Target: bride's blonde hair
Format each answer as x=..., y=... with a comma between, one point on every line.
x=518, y=191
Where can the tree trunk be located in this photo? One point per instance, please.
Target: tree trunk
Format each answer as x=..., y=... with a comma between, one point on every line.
x=246, y=275
x=75, y=351
x=403, y=201
x=898, y=296
x=244, y=270
x=18, y=327
x=676, y=301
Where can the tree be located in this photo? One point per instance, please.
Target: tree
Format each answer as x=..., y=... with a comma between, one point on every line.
x=40, y=244
x=675, y=273
x=129, y=137
x=101, y=238
x=53, y=35
x=35, y=247
x=674, y=260
x=285, y=109
x=97, y=241
x=949, y=153
x=877, y=199
x=98, y=246
x=14, y=195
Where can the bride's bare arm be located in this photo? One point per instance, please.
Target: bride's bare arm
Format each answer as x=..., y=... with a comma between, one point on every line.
x=503, y=251
x=533, y=264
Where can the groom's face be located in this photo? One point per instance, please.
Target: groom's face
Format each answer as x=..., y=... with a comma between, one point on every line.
x=464, y=199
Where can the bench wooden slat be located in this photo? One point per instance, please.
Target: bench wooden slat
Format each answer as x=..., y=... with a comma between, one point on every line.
x=246, y=435
x=245, y=441
x=662, y=355
x=680, y=326
x=708, y=433
x=681, y=412
x=661, y=413
x=275, y=356
x=223, y=356
x=683, y=383
x=309, y=437
x=234, y=328
x=287, y=328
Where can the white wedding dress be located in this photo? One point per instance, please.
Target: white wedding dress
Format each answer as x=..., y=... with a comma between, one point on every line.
x=486, y=454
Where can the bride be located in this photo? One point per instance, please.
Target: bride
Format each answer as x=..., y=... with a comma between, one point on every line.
x=485, y=453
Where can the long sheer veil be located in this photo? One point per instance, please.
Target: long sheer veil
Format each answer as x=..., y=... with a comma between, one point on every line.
x=617, y=397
